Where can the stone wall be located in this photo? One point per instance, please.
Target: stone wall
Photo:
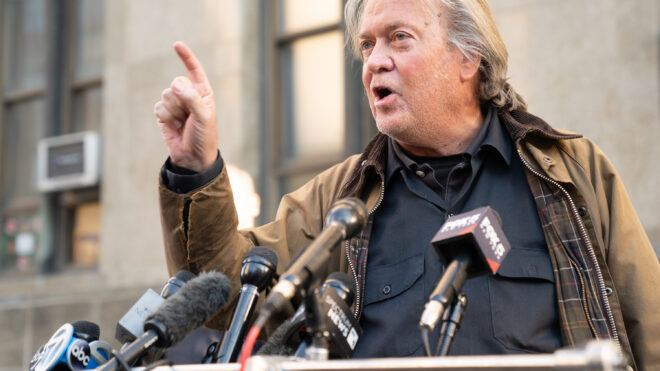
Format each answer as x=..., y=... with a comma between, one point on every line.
x=592, y=67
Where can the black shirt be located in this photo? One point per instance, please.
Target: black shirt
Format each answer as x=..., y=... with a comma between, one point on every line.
x=512, y=312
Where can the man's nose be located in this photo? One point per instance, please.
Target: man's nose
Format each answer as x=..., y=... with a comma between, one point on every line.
x=380, y=59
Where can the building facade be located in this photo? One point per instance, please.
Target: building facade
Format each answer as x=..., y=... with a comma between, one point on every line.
x=290, y=103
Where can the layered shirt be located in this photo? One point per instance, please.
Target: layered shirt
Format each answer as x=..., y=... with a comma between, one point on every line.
x=514, y=311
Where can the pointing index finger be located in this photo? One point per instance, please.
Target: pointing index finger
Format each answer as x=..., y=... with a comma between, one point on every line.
x=195, y=70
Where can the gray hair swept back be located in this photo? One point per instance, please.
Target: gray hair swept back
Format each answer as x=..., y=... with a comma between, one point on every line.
x=471, y=29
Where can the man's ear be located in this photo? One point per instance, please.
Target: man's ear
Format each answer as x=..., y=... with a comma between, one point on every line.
x=469, y=68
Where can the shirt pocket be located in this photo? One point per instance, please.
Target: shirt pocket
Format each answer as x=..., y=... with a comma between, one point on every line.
x=524, y=302
x=394, y=301
x=389, y=281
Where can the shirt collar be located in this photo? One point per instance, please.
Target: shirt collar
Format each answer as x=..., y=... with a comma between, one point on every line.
x=495, y=137
x=491, y=135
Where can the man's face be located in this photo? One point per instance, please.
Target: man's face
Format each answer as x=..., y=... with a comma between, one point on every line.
x=410, y=73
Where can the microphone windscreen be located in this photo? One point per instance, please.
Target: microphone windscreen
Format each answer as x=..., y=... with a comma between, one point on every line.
x=277, y=344
x=263, y=252
x=86, y=330
x=192, y=306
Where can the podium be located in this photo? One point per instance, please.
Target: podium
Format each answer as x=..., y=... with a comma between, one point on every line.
x=594, y=356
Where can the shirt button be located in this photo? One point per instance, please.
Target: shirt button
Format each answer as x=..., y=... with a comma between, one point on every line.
x=547, y=159
x=582, y=211
x=420, y=173
x=608, y=291
x=386, y=289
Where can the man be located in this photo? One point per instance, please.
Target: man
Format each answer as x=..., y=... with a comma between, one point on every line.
x=454, y=136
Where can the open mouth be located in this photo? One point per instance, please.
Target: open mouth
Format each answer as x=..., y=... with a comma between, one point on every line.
x=381, y=93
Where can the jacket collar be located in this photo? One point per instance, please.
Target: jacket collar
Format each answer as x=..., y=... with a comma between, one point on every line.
x=519, y=124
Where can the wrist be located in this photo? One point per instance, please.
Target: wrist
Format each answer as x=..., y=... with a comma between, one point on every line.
x=198, y=165
x=208, y=162
x=183, y=180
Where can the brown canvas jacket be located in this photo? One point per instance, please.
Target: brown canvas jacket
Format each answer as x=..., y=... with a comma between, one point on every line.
x=590, y=226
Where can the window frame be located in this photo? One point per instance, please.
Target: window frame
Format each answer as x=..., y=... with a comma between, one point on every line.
x=55, y=209
x=359, y=124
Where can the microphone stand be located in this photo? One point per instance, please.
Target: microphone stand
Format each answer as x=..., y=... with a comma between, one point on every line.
x=451, y=320
x=445, y=293
x=318, y=350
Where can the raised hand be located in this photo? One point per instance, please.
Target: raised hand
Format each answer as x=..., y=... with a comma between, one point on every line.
x=187, y=117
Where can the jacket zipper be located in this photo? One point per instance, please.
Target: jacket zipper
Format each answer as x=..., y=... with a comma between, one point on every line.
x=590, y=249
x=360, y=288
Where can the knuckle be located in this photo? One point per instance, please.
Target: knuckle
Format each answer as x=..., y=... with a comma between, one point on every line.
x=182, y=80
x=169, y=102
x=162, y=112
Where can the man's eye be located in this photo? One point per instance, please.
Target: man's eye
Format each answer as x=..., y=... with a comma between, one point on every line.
x=366, y=45
x=399, y=36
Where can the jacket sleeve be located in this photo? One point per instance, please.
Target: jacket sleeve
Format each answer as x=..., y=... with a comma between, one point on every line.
x=200, y=228
x=199, y=234
x=631, y=260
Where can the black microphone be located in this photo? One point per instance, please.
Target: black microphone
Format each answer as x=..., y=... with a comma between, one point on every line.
x=176, y=282
x=99, y=350
x=469, y=245
x=192, y=306
x=292, y=337
x=296, y=332
x=130, y=326
x=258, y=272
x=346, y=218
x=86, y=330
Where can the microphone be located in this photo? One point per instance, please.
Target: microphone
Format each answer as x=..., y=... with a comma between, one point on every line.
x=175, y=283
x=469, y=245
x=192, y=306
x=343, y=329
x=68, y=348
x=99, y=352
x=259, y=269
x=346, y=218
x=293, y=338
x=130, y=326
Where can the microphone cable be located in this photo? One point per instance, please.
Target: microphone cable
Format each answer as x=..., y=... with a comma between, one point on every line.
x=250, y=340
x=425, y=341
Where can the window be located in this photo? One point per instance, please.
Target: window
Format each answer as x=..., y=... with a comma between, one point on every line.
x=51, y=53
x=316, y=113
x=23, y=122
x=87, y=71
x=82, y=207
